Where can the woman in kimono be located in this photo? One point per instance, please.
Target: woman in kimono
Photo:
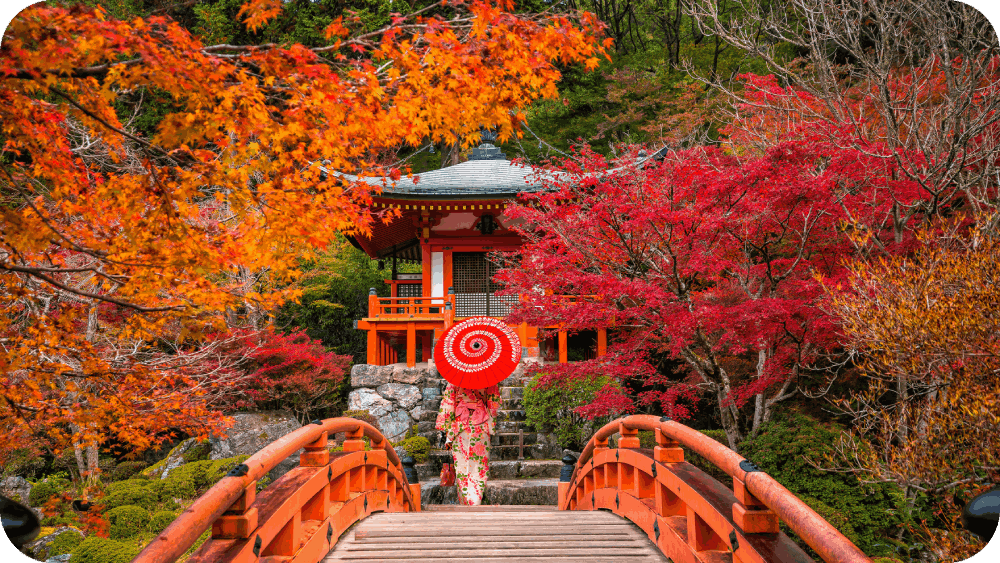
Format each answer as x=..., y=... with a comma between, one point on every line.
x=466, y=418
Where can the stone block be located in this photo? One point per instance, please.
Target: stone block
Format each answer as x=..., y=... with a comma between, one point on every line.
x=428, y=416
x=431, y=394
x=503, y=470
x=425, y=427
x=395, y=425
x=364, y=375
x=368, y=400
x=404, y=395
x=409, y=376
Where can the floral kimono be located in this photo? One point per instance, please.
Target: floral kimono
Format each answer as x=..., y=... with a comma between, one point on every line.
x=466, y=418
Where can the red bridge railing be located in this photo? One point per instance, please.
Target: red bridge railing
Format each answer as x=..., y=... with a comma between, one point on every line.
x=301, y=515
x=690, y=516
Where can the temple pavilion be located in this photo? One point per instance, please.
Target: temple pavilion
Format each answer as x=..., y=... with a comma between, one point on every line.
x=451, y=219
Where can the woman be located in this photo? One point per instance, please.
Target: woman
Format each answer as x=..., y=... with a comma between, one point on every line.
x=466, y=418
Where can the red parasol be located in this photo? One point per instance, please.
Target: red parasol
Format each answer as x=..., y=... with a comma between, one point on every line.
x=477, y=352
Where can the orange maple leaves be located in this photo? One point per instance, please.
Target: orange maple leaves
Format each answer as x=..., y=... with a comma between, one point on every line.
x=112, y=240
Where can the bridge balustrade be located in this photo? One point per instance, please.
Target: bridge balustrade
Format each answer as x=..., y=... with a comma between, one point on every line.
x=300, y=516
x=689, y=515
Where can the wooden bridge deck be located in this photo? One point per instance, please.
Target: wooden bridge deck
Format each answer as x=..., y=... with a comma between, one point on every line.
x=489, y=534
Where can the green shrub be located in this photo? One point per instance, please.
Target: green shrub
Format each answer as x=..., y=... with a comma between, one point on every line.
x=101, y=550
x=139, y=492
x=865, y=513
x=58, y=521
x=64, y=543
x=43, y=490
x=189, y=479
x=127, y=521
x=161, y=520
x=418, y=447
x=549, y=408
x=127, y=470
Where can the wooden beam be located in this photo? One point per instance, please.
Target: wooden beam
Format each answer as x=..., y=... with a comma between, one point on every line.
x=411, y=345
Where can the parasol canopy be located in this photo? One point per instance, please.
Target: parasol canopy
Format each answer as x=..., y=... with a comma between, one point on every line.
x=477, y=352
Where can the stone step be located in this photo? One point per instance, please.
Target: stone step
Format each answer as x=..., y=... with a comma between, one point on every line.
x=537, y=492
x=511, y=404
x=501, y=469
x=512, y=415
x=512, y=392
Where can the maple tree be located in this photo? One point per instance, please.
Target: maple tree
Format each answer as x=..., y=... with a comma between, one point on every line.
x=294, y=372
x=708, y=257
x=114, y=240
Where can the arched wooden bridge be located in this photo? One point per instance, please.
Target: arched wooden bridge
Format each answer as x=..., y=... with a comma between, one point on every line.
x=656, y=507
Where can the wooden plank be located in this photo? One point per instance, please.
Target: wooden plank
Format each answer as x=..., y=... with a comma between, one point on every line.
x=496, y=538
x=450, y=543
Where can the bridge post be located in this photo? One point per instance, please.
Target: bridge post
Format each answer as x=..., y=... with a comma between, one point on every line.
x=629, y=437
x=667, y=450
x=353, y=441
x=241, y=519
x=566, y=476
x=316, y=454
x=750, y=514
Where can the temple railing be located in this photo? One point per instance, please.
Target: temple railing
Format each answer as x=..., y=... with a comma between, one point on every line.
x=385, y=308
x=301, y=515
x=689, y=515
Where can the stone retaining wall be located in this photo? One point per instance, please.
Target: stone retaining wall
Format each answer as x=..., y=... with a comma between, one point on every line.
x=398, y=397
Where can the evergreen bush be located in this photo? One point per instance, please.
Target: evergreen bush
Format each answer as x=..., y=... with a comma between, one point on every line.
x=418, y=447
x=364, y=416
x=103, y=550
x=64, y=543
x=550, y=408
x=160, y=520
x=865, y=513
x=127, y=521
x=45, y=489
x=139, y=492
x=127, y=470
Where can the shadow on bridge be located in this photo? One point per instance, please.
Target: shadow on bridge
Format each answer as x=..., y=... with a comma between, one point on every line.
x=689, y=516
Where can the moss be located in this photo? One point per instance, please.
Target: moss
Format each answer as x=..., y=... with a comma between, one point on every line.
x=43, y=490
x=364, y=416
x=159, y=521
x=418, y=447
x=58, y=521
x=102, y=550
x=64, y=543
x=140, y=492
x=127, y=521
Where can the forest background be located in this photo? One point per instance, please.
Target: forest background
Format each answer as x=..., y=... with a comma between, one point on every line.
x=667, y=87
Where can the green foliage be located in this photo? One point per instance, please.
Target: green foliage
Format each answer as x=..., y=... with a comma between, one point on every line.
x=138, y=492
x=127, y=521
x=866, y=514
x=23, y=462
x=191, y=478
x=549, y=408
x=127, y=470
x=102, y=550
x=45, y=489
x=418, y=447
x=64, y=543
x=160, y=520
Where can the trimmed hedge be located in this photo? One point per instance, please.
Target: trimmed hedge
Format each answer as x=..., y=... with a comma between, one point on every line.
x=127, y=521
x=64, y=543
x=138, y=492
x=161, y=520
x=102, y=550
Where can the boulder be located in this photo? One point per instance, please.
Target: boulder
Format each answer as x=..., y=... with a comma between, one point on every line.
x=41, y=547
x=408, y=376
x=15, y=488
x=405, y=395
x=395, y=425
x=64, y=558
x=431, y=394
x=249, y=434
x=182, y=453
x=364, y=375
x=368, y=400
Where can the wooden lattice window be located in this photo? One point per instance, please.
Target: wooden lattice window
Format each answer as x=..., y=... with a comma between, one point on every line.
x=475, y=292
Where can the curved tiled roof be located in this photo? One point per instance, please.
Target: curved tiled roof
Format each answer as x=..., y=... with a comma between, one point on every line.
x=488, y=173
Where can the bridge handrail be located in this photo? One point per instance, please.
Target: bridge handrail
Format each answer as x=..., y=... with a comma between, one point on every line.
x=827, y=541
x=185, y=530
